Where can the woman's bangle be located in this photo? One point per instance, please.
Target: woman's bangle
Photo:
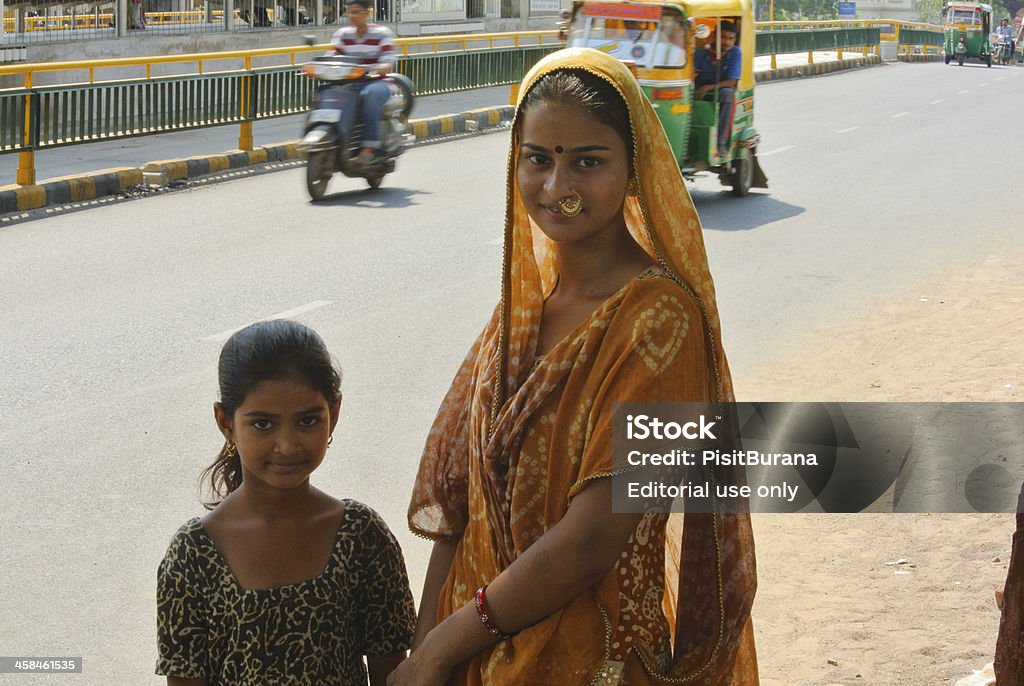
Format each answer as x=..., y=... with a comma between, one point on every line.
x=480, y=600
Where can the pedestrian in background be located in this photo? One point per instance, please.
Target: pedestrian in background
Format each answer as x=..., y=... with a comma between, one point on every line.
x=136, y=19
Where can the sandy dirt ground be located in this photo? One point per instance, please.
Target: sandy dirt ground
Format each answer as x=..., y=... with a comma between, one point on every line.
x=829, y=609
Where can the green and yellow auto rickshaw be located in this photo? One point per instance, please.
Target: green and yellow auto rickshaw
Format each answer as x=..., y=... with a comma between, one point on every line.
x=659, y=40
x=967, y=26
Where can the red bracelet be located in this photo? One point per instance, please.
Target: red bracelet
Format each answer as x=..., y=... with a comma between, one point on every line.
x=480, y=600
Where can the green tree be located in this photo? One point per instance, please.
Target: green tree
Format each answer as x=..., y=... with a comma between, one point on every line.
x=929, y=10
x=786, y=10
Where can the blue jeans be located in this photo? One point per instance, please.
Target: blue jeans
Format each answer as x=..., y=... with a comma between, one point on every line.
x=374, y=95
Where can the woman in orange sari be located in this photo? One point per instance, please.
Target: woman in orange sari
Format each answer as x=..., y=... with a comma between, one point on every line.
x=606, y=298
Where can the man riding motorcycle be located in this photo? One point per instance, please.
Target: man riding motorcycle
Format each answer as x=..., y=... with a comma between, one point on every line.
x=1005, y=33
x=373, y=45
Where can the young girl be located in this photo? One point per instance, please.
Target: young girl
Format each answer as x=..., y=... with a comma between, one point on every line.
x=280, y=583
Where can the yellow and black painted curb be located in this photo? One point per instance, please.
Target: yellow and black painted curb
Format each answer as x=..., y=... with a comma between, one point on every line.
x=816, y=69
x=68, y=189
x=919, y=58
x=164, y=172
x=464, y=122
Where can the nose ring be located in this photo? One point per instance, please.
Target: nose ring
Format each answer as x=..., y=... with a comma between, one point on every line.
x=571, y=205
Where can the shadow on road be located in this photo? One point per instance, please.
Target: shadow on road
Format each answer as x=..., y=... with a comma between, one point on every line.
x=368, y=197
x=721, y=211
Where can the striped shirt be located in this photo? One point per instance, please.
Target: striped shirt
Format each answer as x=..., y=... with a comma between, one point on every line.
x=377, y=44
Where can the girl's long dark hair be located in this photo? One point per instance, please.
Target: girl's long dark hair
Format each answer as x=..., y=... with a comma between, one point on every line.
x=265, y=351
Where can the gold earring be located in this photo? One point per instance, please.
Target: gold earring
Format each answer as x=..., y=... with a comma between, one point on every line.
x=633, y=187
x=330, y=440
x=571, y=205
x=229, y=449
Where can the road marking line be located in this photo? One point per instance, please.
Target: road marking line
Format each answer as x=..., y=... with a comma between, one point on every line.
x=1000, y=78
x=962, y=92
x=982, y=85
x=852, y=128
x=287, y=314
x=784, y=148
x=900, y=114
x=935, y=102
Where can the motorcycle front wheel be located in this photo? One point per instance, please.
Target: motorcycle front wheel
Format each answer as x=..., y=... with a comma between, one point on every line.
x=318, y=173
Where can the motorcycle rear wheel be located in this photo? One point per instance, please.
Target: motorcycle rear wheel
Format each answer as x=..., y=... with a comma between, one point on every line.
x=318, y=174
x=375, y=181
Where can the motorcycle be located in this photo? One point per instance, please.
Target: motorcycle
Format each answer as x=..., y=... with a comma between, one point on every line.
x=329, y=148
x=1001, y=53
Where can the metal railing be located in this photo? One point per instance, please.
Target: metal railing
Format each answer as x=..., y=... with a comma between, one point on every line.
x=241, y=91
x=36, y=118
x=781, y=37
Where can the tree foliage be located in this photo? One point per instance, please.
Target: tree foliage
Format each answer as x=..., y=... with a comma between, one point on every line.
x=929, y=10
x=794, y=10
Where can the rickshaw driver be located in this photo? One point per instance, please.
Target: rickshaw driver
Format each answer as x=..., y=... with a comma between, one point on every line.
x=721, y=70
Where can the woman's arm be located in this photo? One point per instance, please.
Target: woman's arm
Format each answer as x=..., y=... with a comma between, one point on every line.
x=380, y=667
x=440, y=564
x=572, y=556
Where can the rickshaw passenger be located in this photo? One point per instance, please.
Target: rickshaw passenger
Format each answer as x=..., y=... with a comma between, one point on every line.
x=722, y=71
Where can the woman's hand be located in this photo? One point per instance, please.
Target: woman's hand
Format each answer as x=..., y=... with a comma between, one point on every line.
x=420, y=670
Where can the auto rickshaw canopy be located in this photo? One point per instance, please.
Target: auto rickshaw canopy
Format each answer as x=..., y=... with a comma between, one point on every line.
x=955, y=13
x=694, y=13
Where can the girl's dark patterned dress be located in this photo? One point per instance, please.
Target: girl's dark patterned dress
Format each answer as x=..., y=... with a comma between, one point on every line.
x=313, y=632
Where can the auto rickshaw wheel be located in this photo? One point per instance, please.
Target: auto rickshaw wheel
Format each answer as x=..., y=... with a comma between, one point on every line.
x=948, y=58
x=988, y=60
x=318, y=174
x=743, y=175
x=960, y=60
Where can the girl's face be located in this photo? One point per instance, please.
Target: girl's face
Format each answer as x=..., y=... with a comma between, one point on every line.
x=564, y=150
x=281, y=431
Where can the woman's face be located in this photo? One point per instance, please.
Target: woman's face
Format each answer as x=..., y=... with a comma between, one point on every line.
x=564, y=150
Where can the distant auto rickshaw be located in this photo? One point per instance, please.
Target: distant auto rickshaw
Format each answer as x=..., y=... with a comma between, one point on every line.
x=660, y=40
x=967, y=26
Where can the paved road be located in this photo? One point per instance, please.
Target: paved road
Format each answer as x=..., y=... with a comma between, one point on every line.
x=113, y=317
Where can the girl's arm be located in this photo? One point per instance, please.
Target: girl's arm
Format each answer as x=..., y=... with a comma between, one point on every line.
x=380, y=667
x=440, y=564
x=179, y=681
x=573, y=555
